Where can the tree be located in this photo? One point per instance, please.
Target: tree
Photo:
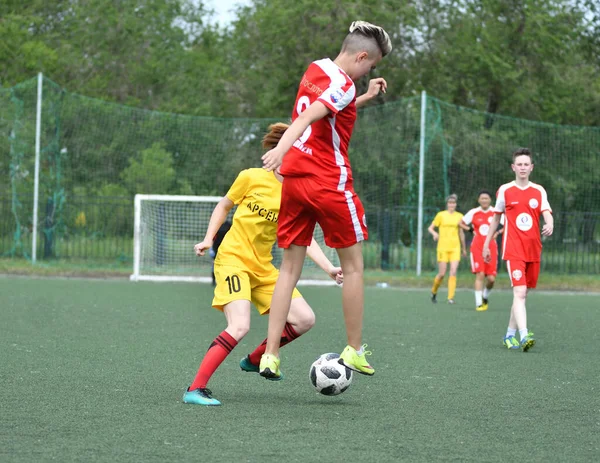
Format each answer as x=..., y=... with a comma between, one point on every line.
x=523, y=58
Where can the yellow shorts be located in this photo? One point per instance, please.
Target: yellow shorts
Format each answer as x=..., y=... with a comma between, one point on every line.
x=234, y=284
x=448, y=256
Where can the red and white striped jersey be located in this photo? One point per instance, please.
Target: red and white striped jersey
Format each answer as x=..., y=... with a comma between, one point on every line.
x=322, y=150
x=522, y=207
x=481, y=224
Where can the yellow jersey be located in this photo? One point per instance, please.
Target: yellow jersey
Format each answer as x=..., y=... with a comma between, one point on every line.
x=447, y=225
x=253, y=232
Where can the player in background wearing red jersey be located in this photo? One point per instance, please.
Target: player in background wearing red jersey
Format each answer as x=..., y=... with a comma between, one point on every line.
x=480, y=219
x=318, y=185
x=522, y=202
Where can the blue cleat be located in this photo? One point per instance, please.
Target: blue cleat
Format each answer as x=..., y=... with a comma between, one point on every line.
x=249, y=367
x=201, y=396
x=527, y=342
x=511, y=342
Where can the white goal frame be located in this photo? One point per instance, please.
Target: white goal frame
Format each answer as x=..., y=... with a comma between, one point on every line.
x=137, y=243
x=137, y=232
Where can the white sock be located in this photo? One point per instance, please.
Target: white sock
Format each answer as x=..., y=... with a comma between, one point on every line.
x=523, y=333
x=360, y=351
x=511, y=332
x=478, y=298
x=486, y=293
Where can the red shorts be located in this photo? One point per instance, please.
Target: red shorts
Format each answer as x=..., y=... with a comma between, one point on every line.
x=523, y=273
x=305, y=201
x=479, y=265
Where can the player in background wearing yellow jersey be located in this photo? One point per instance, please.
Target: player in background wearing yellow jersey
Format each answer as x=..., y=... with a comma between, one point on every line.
x=244, y=272
x=450, y=241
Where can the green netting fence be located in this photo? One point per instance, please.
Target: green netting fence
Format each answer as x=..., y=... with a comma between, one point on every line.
x=95, y=156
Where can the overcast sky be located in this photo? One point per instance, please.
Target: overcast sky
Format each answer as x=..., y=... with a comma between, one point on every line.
x=223, y=9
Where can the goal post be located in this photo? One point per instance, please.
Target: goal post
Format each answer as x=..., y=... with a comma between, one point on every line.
x=166, y=228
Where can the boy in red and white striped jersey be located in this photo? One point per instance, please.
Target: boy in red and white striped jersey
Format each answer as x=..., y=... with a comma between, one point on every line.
x=318, y=185
x=480, y=219
x=522, y=202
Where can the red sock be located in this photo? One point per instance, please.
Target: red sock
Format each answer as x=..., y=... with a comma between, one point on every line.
x=289, y=334
x=218, y=350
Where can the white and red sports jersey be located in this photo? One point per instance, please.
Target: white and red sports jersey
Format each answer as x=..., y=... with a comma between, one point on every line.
x=481, y=224
x=322, y=150
x=522, y=207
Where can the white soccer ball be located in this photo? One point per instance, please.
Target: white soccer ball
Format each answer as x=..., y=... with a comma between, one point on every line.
x=328, y=376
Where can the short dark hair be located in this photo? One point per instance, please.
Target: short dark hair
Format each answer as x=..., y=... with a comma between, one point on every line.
x=484, y=192
x=522, y=152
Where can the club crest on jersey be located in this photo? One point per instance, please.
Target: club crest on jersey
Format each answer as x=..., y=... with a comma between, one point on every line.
x=490, y=219
x=517, y=274
x=524, y=222
x=336, y=96
x=533, y=203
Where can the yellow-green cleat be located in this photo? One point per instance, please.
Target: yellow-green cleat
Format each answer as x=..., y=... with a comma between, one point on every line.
x=355, y=362
x=269, y=367
x=510, y=342
x=247, y=365
x=527, y=342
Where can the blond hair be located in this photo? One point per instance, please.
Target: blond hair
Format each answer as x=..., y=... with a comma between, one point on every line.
x=363, y=34
x=452, y=198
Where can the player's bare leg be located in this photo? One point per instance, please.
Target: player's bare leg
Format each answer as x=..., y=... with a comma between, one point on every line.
x=353, y=303
x=518, y=318
x=237, y=314
x=300, y=319
x=519, y=311
x=289, y=274
x=353, y=293
x=520, y=315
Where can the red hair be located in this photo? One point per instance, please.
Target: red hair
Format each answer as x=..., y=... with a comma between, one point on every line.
x=274, y=134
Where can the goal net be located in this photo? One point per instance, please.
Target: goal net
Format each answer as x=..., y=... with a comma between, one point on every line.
x=167, y=227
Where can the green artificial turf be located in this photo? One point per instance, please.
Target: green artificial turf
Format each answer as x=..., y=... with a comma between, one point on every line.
x=95, y=371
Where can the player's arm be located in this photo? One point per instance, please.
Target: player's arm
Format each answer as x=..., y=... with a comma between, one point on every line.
x=548, y=227
x=375, y=86
x=491, y=232
x=461, y=235
x=498, y=233
x=500, y=230
x=272, y=159
x=217, y=219
x=467, y=221
x=317, y=255
x=432, y=231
